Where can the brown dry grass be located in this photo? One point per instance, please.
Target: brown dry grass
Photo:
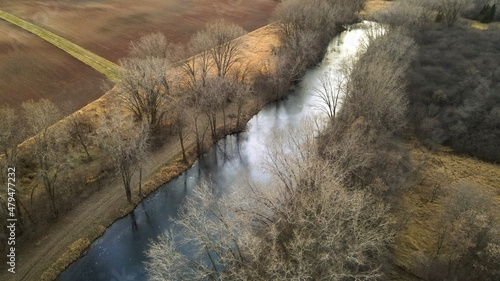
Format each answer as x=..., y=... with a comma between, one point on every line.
x=446, y=169
x=73, y=253
x=373, y=6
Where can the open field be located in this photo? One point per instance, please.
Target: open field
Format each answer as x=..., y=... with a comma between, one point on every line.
x=111, y=70
x=33, y=69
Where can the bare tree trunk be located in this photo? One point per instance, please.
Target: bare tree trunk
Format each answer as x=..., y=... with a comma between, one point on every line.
x=84, y=147
x=198, y=148
x=238, y=115
x=181, y=139
x=224, y=117
x=140, y=180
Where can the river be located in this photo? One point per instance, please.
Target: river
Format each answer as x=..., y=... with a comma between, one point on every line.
x=119, y=253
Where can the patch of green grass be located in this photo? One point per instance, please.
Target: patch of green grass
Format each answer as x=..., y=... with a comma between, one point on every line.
x=100, y=64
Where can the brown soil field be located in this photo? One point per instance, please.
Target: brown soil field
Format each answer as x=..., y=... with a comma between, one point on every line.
x=31, y=68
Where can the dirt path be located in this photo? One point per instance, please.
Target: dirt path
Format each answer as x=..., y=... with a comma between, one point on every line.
x=96, y=212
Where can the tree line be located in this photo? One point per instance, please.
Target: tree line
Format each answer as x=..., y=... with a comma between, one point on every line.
x=454, y=81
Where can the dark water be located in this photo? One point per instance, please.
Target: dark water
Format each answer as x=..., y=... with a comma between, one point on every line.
x=119, y=253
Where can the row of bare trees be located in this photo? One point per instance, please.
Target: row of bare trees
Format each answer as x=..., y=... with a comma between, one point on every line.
x=153, y=102
x=153, y=91
x=46, y=154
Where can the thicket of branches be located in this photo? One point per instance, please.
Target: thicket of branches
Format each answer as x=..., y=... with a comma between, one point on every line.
x=454, y=80
x=453, y=100
x=305, y=29
x=364, y=138
x=454, y=90
x=468, y=239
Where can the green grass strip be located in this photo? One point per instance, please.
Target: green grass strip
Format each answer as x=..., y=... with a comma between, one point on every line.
x=104, y=66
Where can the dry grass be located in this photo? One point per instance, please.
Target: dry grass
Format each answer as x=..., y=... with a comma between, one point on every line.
x=73, y=253
x=482, y=26
x=373, y=6
x=446, y=169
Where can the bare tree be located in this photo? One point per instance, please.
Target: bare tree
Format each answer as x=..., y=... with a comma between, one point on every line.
x=187, y=59
x=126, y=143
x=199, y=43
x=330, y=91
x=152, y=45
x=221, y=39
x=212, y=98
x=409, y=14
x=11, y=134
x=145, y=88
x=242, y=93
x=179, y=120
x=39, y=116
x=319, y=16
x=377, y=84
x=81, y=126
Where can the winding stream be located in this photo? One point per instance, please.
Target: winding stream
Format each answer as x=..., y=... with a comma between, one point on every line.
x=119, y=253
